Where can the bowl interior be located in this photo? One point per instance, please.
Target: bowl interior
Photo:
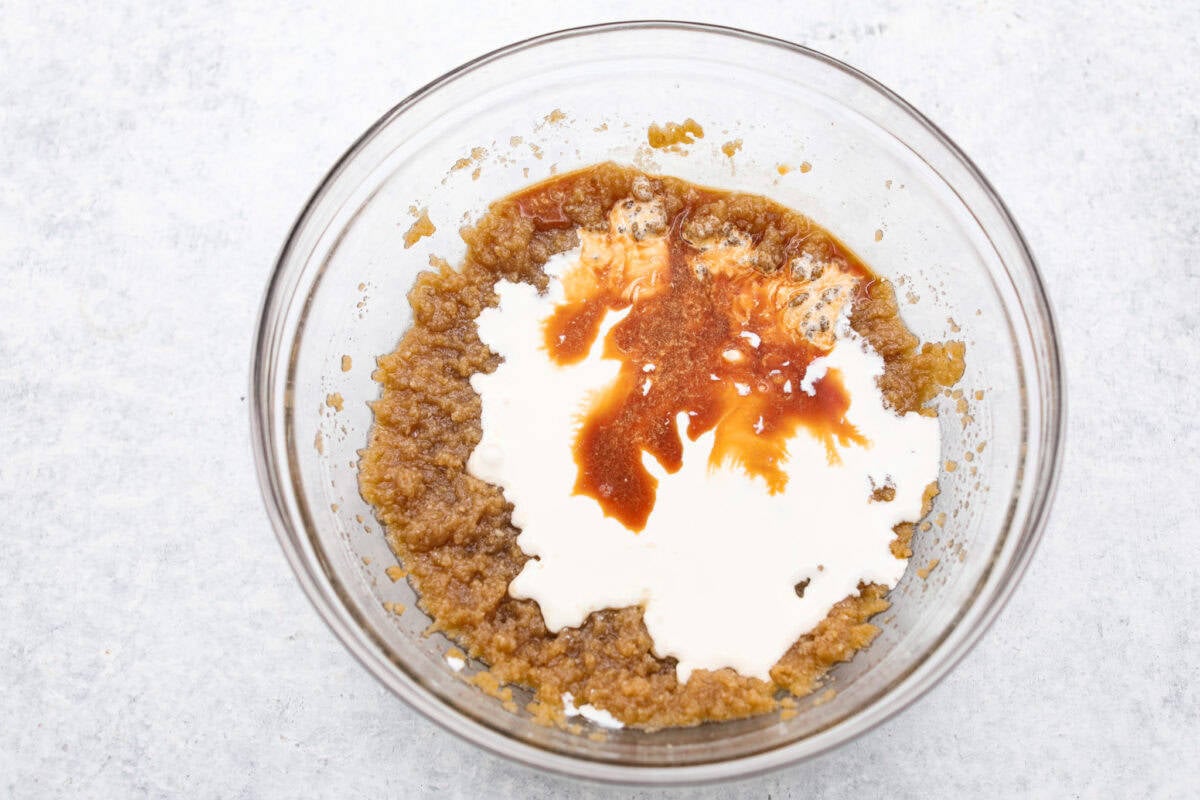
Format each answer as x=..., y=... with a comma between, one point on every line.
x=813, y=136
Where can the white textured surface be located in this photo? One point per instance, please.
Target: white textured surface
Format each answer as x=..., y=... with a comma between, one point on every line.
x=152, y=639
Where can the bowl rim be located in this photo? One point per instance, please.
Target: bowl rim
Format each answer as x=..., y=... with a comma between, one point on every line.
x=905, y=691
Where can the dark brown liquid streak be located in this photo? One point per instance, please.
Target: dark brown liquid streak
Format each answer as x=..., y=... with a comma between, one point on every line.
x=684, y=331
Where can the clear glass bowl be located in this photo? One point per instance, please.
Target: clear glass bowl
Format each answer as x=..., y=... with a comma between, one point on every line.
x=864, y=164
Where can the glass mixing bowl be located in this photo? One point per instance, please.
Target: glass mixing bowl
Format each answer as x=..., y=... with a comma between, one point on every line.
x=814, y=134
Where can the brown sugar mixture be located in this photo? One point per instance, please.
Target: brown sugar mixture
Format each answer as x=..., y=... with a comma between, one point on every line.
x=452, y=532
x=674, y=133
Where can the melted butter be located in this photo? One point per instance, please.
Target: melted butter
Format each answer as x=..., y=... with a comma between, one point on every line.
x=704, y=335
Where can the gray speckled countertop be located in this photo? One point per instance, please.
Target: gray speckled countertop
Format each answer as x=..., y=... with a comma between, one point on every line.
x=152, y=639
